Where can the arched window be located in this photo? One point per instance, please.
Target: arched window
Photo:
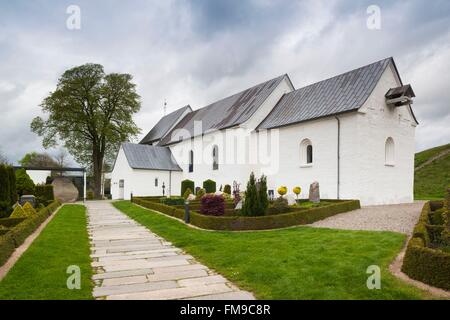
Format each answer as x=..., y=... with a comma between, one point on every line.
x=215, y=156
x=389, y=152
x=306, y=152
x=191, y=161
x=309, y=154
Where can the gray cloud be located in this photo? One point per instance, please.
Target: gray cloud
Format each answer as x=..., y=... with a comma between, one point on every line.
x=194, y=52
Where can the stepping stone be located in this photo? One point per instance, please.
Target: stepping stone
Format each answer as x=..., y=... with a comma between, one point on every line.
x=121, y=274
x=175, y=293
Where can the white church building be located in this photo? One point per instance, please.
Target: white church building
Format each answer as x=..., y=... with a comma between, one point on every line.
x=352, y=133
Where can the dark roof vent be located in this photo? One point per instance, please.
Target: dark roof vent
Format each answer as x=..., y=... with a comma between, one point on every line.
x=400, y=96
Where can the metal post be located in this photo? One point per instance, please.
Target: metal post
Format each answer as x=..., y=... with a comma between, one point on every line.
x=84, y=186
x=131, y=196
x=187, y=214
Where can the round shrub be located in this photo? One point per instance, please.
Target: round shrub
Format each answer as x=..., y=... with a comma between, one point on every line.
x=209, y=186
x=186, y=193
x=280, y=205
x=282, y=190
x=213, y=205
x=200, y=193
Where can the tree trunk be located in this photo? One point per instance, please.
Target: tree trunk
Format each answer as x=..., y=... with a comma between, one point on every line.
x=97, y=160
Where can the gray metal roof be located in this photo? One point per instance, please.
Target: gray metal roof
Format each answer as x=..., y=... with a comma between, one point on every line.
x=164, y=125
x=141, y=156
x=228, y=112
x=342, y=93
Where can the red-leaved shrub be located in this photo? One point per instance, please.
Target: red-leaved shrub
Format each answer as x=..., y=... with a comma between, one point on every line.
x=212, y=205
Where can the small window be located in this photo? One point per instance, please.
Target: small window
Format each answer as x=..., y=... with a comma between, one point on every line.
x=390, y=152
x=191, y=161
x=156, y=182
x=309, y=154
x=306, y=152
x=215, y=155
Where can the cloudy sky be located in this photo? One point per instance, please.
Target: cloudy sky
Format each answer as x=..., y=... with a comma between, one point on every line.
x=194, y=52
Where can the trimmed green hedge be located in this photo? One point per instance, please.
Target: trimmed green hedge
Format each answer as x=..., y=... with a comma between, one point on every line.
x=11, y=222
x=179, y=201
x=7, y=248
x=421, y=262
x=21, y=229
x=238, y=223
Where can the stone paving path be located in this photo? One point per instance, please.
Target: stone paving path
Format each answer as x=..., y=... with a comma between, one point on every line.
x=131, y=262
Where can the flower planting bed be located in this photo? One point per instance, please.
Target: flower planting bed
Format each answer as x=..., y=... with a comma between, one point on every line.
x=228, y=221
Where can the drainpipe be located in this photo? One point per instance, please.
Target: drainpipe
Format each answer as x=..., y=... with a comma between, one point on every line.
x=338, y=154
x=170, y=183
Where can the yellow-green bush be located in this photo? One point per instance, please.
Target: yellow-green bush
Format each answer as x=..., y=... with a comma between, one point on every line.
x=282, y=190
x=18, y=212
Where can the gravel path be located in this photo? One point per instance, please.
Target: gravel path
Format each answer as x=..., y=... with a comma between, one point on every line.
x=130, y=262
x=398, y=218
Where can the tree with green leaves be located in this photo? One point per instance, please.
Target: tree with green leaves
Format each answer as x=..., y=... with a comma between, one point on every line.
x=35, y=159
x=91, y=113
x=263, y=200
x=12, y=185
x=250, y=205
x=24, y=183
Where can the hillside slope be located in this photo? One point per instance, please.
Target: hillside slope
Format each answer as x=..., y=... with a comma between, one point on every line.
x=432, y=172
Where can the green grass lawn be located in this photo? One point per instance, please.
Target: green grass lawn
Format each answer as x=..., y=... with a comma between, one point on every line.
x=40, y=273
x=423, y=156
x=295, y=263
x=432, y=181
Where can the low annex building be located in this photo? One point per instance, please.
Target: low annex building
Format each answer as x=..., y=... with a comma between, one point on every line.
x=353, y=133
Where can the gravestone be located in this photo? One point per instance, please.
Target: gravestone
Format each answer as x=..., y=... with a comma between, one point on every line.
x=290, y=199
x=191, y=197
x=314, y=192
x=27, y=198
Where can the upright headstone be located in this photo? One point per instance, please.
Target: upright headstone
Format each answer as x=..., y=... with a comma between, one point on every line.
x=290, y=199
x=314, y=192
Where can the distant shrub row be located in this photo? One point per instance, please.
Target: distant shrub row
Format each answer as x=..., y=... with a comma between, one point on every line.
x=18, y=229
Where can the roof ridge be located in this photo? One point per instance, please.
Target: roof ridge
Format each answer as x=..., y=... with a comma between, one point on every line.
x=240, y=92
x=176, y=110
x=341, y=93
x=341, y=74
